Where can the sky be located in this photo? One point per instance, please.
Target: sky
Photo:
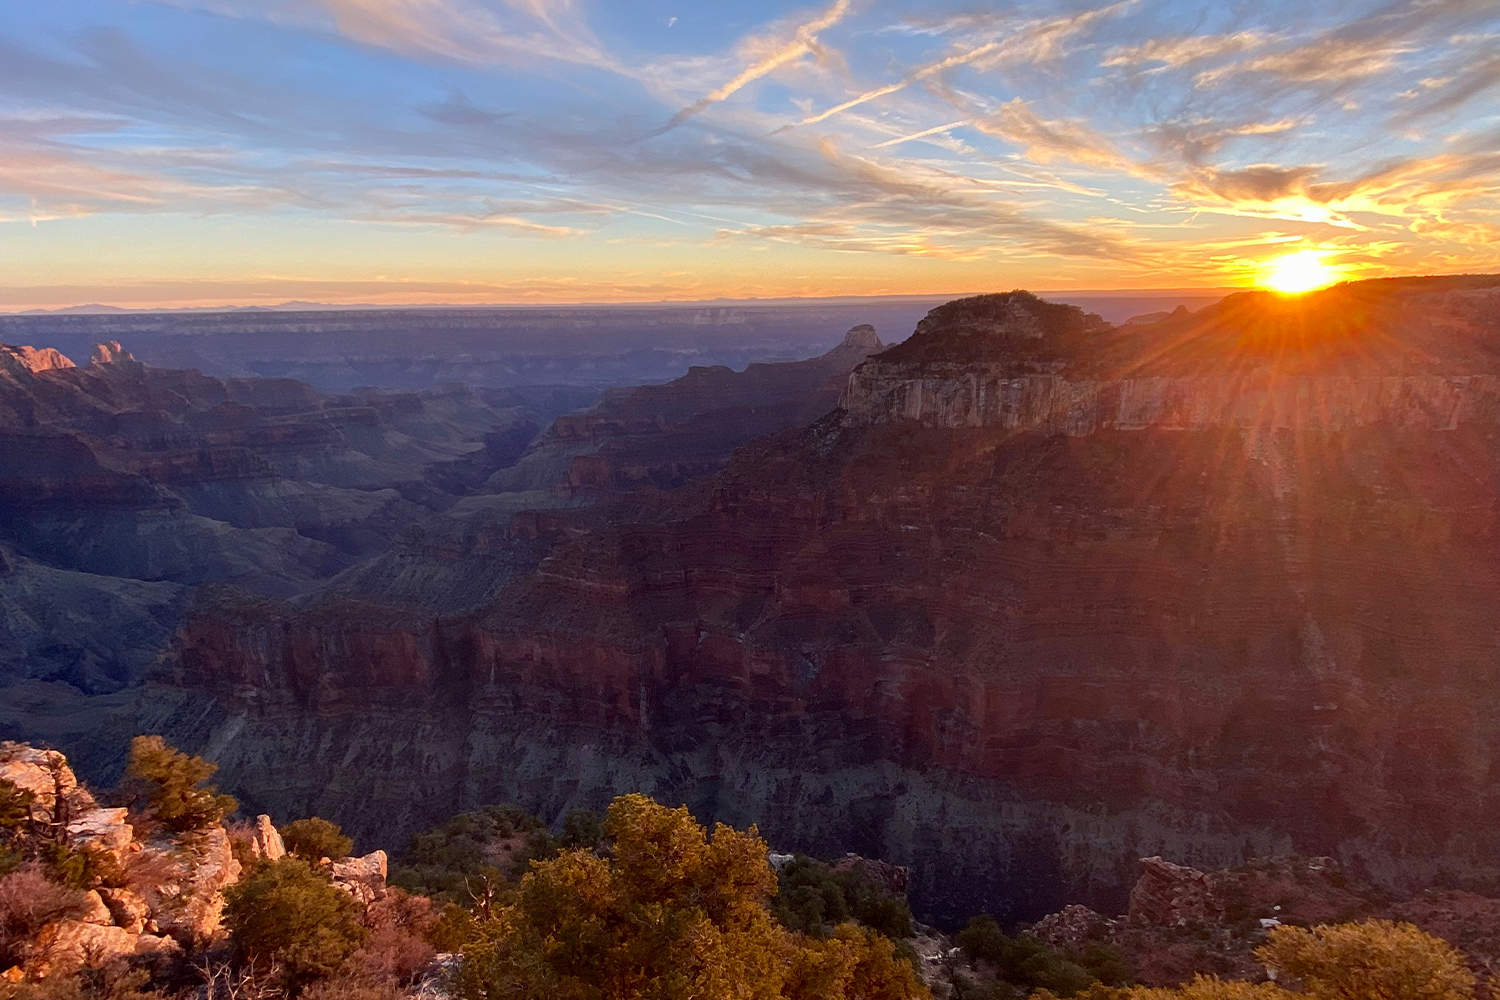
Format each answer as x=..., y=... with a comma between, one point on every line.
x=205, y=152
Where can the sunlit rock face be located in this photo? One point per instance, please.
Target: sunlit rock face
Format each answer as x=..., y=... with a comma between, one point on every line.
x=1348, y=358
x=1015, y=655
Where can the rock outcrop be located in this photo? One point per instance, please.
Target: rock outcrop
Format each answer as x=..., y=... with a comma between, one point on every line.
x=1183, y=922
x=363, y=878
x=265, y=840
x=172, y=897
x=15, y=361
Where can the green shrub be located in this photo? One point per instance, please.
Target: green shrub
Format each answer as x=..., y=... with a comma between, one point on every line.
x=484, y=848
x=287, y=914
x=79, y=868
x=15, y=805
x=1024, y=962
x=315, y=838
x=1106, y=963
x=172, y=784
x=582, y=828
x=669, y=914
x=813, y=898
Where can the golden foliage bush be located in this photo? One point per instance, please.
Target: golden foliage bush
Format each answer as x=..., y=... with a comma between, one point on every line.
x=671, y=914
x=1373, y=960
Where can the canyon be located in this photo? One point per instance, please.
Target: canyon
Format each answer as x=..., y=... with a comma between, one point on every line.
x=1038, y=597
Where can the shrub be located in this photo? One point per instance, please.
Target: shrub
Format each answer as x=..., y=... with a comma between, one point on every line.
x=582, y=828
x=288, y=915
x=15, y=805
x=112, y=982
x=1211, y=988
x=1373, y=960
x=397, y=948
x=28, y=901
x=813, y=898
x=79, y=868
x=454, y=928
x=1024, y=962
x=489, y=846
x=671, y=913
x=1105, y=963
x=172, y=784
x=315, y=838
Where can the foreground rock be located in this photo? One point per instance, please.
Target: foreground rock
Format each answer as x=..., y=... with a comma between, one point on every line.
x=171, y=898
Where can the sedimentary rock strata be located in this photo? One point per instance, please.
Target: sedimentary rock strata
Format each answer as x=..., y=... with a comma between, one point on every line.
x=1014, y=656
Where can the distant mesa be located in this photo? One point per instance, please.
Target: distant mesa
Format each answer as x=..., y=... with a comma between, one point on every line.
x=14, y=360
x=110, y=353
x=1017, y=329
x=863, y=336
x=1146, y=319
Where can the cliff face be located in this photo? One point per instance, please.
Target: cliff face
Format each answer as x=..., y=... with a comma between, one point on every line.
x=974, y=396
x=1218, y=587
x=1230, y=597
x=664, y=435
x=123, y=486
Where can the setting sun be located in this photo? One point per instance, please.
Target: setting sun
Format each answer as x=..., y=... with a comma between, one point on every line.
x=1303, y=271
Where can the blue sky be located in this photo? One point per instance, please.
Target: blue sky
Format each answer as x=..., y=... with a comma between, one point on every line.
x=190, y=152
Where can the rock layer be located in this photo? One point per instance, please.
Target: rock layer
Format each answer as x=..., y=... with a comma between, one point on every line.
x=1011, y=658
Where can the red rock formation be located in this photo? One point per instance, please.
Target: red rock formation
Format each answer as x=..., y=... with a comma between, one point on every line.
x=1012, y=659
x=664, y=435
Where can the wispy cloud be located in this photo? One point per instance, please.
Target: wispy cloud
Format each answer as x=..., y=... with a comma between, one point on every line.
x=770, y=54
x=1053, y=139
x=1161, y=54
x=1032, y=42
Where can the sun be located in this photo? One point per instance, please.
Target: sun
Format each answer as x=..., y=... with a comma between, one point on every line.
x=1303, y=271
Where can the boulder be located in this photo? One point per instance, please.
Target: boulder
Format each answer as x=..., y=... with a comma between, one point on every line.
x=1168, y=895
x=1072, y=926
x=363, y=878
x=188, y=904
x=265, y=840
x=93, y=910
x=127, y=908
x=47, y=776
x=156, y=947
x=102, y=829
x=68, y=945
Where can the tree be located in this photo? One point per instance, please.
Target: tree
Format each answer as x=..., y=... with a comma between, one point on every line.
x=670, y=914
x=582, y=828
x=173, y=785
x=15, y=805
x=1373, y=960
x=287, y=914
x=814, y=898
x=315, y=838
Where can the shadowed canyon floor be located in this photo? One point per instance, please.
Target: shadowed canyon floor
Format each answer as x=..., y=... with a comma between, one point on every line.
x=1041, y=597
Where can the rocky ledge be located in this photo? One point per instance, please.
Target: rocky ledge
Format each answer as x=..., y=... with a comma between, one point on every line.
x=164, y=893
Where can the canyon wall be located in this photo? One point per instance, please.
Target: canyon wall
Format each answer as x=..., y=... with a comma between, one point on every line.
x=955, y=395
x=1022, y=613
